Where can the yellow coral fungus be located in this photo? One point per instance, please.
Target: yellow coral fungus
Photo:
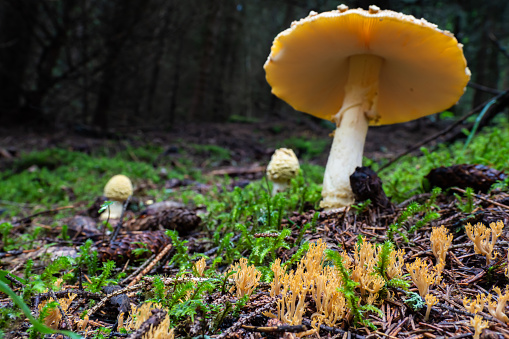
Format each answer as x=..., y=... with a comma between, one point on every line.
x=480, y=234
x=440, y=242
x=199, y=267
x=421, y=276
x=291, y=306
x=53, y=315
x=497, y=308
x=138, y=316
x=478, y=324
x=246, y=278
x=365, y=260
x=395, y=267
x=330, y=303
x=275, y=285
x=312, y=261
x=475, y=306
x=430, y=301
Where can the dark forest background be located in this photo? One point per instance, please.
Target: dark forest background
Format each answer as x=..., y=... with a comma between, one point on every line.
x=154, y=63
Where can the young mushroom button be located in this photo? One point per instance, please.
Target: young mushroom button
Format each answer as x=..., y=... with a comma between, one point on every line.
x=359, y=68
x=118, y=189
x=282, y=168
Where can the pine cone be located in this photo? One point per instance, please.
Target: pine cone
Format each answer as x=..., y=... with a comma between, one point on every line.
x=478, y=177
x=366, y=185
x=121, y=249
x=180, y=219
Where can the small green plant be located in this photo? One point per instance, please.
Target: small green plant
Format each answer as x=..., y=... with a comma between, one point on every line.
x=348, y=290
x=37, y=326
x=88, y=259
x=385, y=251
x=361, y=207
x=181, y=258
x=105, y=206
x=64, y=235
x=415, y=301
x=138, y=252
x=98, y=282
x=468, y=205
x=414, y=209
x=7, y=240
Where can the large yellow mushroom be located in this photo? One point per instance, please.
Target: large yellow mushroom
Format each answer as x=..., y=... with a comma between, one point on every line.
x=359, y=68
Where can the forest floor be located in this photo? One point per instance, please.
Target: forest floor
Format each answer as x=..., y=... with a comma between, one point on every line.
x=200, y=306
x=248, y=142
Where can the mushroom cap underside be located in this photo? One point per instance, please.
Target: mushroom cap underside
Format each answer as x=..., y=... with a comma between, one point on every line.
x=423, y=70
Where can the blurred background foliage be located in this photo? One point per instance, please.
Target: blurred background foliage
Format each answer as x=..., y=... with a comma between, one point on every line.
x=116, y=63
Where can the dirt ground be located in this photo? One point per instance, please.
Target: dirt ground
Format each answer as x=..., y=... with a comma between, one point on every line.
x=247, y=142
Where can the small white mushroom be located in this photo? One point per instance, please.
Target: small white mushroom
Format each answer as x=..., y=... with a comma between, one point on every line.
x=282, y=168
x=118, y=189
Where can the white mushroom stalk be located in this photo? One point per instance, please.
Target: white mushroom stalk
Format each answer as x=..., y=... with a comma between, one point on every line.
x=352, y=121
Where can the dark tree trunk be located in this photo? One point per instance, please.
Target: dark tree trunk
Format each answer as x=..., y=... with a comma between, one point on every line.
x=158, y=55
x=213, y=23
x=15, y=39
x=123, y=19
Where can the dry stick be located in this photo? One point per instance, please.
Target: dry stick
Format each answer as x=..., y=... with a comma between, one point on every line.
x=26, y=219
x=16, y=252
x=455, y=310
x=152, y=322
x=482, y=198
x=439, y=134
x=336, y=330
x=245, y=319
x=138, y=270
x=119, y=224
x=168, y=281
x=152, y=264
x=484, y=88
x=14, y=280
x=497, y=43
x=64, y=315
x=61, y=294
x=111, y=295
x=276, y=329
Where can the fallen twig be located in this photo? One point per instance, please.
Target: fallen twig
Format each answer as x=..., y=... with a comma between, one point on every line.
x=111, y=295
x=247, y=318
x=152, y=322
x=152, y=264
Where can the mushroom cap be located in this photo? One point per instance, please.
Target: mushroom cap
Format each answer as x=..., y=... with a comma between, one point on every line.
x=423, y=70
x=283, y=166
x=118, y=188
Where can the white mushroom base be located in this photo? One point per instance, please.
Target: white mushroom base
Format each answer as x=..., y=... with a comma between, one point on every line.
x=114, y=211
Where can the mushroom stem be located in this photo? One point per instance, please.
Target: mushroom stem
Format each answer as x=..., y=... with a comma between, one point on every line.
x=279, y=186
x=352, y=120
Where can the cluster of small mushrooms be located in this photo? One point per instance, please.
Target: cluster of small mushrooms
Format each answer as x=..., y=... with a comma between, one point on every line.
x=358, y=68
